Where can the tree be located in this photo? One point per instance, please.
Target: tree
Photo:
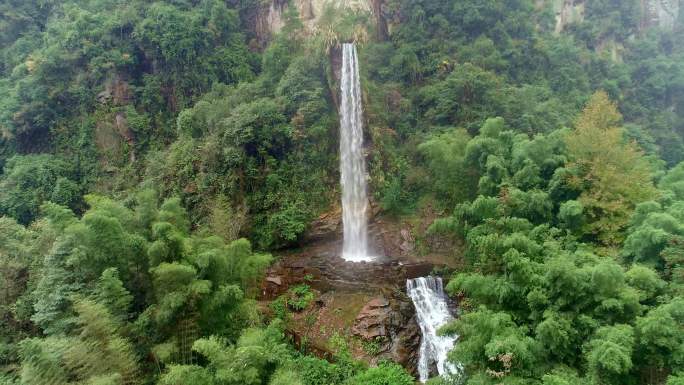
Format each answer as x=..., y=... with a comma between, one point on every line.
x=251, y=361
x=659, y=336
x=30, y=180
x=612, y=175
x=445, y=158
x=96, y=353
x=18, y=255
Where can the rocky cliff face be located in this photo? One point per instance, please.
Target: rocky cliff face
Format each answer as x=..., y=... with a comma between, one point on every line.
x=654, y=13
x=310, y=11
x=568, y=12
x=660, y=13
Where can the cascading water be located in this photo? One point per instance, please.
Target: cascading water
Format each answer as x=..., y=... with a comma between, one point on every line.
x=352, y=163
x=427, y=294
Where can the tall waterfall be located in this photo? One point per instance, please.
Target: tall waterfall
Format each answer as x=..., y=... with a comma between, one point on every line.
x=352, y=162
x=427, y=294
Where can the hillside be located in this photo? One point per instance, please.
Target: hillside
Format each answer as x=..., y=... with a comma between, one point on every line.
x=171, y=200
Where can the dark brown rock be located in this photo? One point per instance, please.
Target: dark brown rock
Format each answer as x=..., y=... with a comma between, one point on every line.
x=391, y=322
x=373, y=320
x=406, y=345
x=327, y=226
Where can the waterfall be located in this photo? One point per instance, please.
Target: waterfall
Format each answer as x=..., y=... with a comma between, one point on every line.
x=352, y=162
x=427, y=294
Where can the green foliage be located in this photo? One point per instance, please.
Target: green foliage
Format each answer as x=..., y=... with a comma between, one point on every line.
x=286, y=377
x=675, y=379
x=654, y=235
x=570, y=214
x=251, y=360
x=111, y=292
x=186, y=374
x=373, y=347
x=63, y=62
x=542, y=304
x=445, y=158
x=30, y=180
x=299, y=297
x=613, y=175
x=466, y=97
x=97, y=352
x=316, y=371
x=271, y=148
x=17, y=254
x=660, y=337
x=200, y=130
x=609, y=352
x=383, y=374
x=279, y=307
x=138, y=264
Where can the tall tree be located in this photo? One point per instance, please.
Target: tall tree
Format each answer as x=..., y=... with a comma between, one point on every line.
x=612, y=174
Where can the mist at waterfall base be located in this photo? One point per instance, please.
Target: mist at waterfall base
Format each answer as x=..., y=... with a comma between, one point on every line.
x=427, y=294
x=352, y=162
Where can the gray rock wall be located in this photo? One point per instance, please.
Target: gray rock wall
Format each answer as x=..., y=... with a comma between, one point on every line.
x=655, y=13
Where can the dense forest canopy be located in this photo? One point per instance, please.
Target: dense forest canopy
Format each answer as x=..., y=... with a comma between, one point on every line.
x=156, y=157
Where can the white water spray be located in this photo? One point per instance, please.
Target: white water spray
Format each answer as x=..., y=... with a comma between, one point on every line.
x=352, y=162
x=427, y=294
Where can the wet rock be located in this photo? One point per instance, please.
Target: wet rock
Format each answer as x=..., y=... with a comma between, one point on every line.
x=405, y=345
x=364, y=301
x=373, y=320
x=393, y=323
x=407, y=241
x=327, y=226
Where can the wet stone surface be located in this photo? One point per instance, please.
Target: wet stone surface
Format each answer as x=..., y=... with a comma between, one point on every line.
x=365, y=302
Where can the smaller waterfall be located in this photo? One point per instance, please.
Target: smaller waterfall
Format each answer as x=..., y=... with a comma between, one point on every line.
x=427, y=294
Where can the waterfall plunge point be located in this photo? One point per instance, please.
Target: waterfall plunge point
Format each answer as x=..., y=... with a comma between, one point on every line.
x=352, y=162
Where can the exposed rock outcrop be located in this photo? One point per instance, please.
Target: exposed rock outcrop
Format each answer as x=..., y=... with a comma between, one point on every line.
x=393, y=324
x=326, y=271
x=327, y=226
x=270, y=17
x=654, y=13
x=568, y=12
x=310, y=11
x=374, y=319
x=659, y=13
x=116, y=91
x=363, y=301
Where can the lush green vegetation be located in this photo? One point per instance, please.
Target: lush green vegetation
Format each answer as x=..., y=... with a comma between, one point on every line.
x=153, y=154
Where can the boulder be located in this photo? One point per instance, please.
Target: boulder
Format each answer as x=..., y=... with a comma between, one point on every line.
x=374, y=320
